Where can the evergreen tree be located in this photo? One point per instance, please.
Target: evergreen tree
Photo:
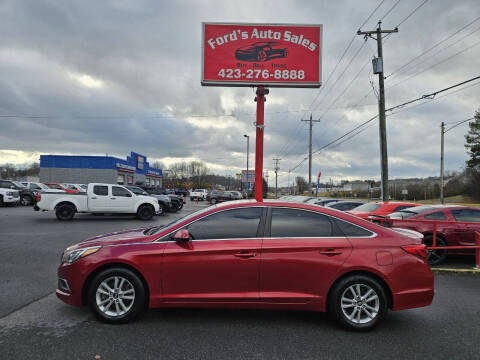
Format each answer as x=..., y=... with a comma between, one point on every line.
x=473, y=141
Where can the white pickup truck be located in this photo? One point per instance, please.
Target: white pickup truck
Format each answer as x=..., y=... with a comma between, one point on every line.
x=200, y=194
x=98, y=199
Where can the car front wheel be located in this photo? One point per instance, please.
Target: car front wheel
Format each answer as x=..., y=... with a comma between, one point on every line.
x=26, y=200
x=358, y=302
x=116, y=295
x=145, y=212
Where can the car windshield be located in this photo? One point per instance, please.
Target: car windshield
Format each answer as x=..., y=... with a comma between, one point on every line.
x=156, y=229
x=368, y=207
x=198, y=190
x=137, y=190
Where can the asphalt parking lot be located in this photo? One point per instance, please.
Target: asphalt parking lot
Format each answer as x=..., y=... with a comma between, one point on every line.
x=34, y=324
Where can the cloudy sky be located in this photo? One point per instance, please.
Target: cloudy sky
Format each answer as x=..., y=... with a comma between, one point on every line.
x=97, y=77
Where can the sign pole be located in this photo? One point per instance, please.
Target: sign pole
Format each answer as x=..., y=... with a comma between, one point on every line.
x=260, y=99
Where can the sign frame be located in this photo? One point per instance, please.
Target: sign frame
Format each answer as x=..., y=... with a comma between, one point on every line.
x=278, y=84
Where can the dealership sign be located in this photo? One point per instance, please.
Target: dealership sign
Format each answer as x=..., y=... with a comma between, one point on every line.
x=274, y=55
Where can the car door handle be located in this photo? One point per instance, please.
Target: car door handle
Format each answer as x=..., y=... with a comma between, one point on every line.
x=93, y=197
x=113, y=198
x=246, y=255
x=330, y=252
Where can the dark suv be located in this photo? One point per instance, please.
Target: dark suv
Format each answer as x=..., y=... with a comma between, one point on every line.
x=27, y=196
x=218, y=196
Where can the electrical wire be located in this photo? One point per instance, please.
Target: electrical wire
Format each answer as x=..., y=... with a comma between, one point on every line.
x=459, y=123
x=432, y=47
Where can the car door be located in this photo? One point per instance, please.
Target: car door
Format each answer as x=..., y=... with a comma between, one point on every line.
x=120, y=200
x=465, y=233
x=97, y=199
x=301, y=255
x=220, y=262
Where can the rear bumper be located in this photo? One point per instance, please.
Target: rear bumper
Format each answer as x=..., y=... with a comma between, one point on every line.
x=413, y=299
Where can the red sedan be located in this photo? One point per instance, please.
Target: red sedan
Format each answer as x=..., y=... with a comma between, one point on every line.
x=248, y=254
x=60, y=187
x=455, y=226
x=380, y=208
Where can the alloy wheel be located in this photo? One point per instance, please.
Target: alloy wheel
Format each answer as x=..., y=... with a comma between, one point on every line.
x=115, y=296
x=360, y=303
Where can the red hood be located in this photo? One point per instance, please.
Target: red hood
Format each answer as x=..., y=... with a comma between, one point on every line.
x=116, y=238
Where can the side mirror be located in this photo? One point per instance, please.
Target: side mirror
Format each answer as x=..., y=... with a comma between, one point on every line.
x=182, y=235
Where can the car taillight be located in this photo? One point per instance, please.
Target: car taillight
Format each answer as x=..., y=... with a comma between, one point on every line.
x=38, y=198
x=419, y=250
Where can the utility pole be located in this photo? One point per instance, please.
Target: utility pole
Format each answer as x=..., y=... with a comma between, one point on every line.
x=288, y=182
x=310, y=154
x=276, y=168
x=442, y=128
x=378, y=69
x=248, y=155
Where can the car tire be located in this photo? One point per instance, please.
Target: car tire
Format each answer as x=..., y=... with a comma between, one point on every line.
x=1, y=200
x=26, y=200
x=213, y=201
x=358, y=302
x=65, y=212
x=435, y=257
x=145, y=212
x=116, y=296
x=164, y=209
x=161, y=210
x=191, y=199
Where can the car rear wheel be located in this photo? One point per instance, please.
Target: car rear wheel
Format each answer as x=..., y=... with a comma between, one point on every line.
x=116, y=295
x=145, y=212
x=1, y=200
x=26, y=200
x=65, y=212
x=213, y=201
x=435, y=256
x=358, y=302
x=261, y=55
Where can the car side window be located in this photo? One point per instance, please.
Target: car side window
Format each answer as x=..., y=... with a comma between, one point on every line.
x=100, y=190
x=466, y=215
x=229, y=224
x=398, y=208
x=351, y=230
x=119, y=191
x=439, y=215
x=299, y=223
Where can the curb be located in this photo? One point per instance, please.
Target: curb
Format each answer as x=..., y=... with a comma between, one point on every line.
x=470, y=271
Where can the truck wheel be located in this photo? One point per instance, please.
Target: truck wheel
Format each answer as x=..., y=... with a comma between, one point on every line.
x=1, y=200
x=213, y=201
x=26, y=200
x=145, y=212
x=65, y=212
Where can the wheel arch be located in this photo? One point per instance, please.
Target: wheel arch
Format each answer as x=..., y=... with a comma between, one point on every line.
x=371, y=274
x=65, y=202
x=145, y=203
x=96, y=271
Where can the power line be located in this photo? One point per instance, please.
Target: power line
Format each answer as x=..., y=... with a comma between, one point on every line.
x=388, y=12
x=428, y=96
x=433, y=94
x=459, y=123
x=432, y=47
x=413, y=12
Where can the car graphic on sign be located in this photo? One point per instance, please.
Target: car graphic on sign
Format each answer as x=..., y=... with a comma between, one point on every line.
x=261, y=51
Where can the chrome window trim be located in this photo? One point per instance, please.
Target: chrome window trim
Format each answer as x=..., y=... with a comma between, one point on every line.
x=374, y=234
x=161, y=239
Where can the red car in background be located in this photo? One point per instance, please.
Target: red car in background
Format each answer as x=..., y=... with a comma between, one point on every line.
x=456, y=226
x=60, y=187
x=380, y=208
x=248, y=254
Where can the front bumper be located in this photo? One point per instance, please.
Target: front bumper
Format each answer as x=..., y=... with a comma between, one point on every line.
x=11, y=199
x=73, y=276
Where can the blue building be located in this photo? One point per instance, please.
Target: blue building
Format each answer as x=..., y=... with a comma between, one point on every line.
x=135, y=169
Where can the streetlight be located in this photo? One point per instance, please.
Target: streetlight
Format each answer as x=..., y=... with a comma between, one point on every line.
x=248, y=150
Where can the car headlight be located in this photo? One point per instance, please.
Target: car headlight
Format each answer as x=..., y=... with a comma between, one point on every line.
x=10, y=193
x=69, y=256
